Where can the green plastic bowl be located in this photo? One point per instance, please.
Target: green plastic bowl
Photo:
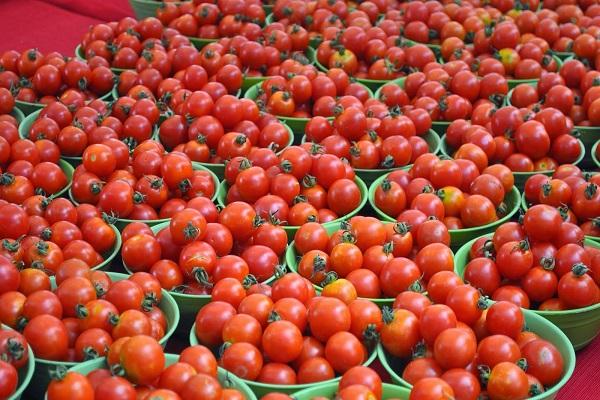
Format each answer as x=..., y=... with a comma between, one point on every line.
x=25, y=373
x=226, y=379
x=121, y=223
x=458, y=237
x=520, y=177
x=291, y=230
x=18, y=114
x=535, y=323
x=370, y=175
x=261, y=389
x=329, y=390
x=41, y=376
x=147, y=8
x=594, y=158
x=219, y=169
x=295, y=124
x=580, y=325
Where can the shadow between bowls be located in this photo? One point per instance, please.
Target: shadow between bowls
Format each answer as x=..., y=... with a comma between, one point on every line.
x=41, y=376
x=580, y=325
x=226, y=379
x=458, y=236
x=25, y=373
x=291, y=230
x=535, y=323
x=261, y=389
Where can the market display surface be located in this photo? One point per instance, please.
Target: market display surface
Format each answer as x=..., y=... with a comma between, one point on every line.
x=301, y=200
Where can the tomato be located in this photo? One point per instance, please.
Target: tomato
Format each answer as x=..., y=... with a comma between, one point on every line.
x=400, y=332
x=504, y=318
x=431, y=388
x=8, y=378
x=211, y=320
x=577, y=289
x=544, y=361
x=242, y=359
x=328, y=316
x=47, y=336
x=142, y=358
x=508, y=381
x=71, y=385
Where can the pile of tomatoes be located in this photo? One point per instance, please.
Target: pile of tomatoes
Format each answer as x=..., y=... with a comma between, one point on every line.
x=467, y=349
x=573, y=193
x=454, y=192
x=35, y=77
x=369, y=259
x=541, y=264
x=266, y=333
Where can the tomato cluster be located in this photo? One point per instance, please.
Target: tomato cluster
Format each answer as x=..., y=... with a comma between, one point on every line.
x=372, y=259
x=15, y=355
x=84, y=312
x=310, y=93
x=34, y=77
x=223, y=18
x=217, y=131
x=516, y=138
x=203, y=252
x=540, y=264
x=457, y=193
x=462, y=340
x=295, y=187
x=265, y=333
x=568, y=190
x=447, y=92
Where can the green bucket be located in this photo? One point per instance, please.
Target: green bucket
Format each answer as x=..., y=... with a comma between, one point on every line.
x=458, y=236
x=219, y=169
x=580, y=325
x=545, y=329
x=292, y=258
x=25, y=372
x=121, y=223
x=297, y=125
x=18, y=114
x=329, y=390
x=291, y=230
x=594, y=157
x=226, y=379
x=370, y=175
x=262, y=389
x=520, y=177
x=41, y=377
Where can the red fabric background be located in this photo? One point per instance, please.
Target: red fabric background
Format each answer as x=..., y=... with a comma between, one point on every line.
x=57, y=25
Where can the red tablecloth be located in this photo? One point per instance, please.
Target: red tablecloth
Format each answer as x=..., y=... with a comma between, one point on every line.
x=57, y=25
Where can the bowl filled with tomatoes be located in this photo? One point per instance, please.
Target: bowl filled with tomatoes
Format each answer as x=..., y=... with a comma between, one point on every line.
x=368, y=259
x=435, y=187
x=194, y=270
x=367, y=383
x=547, y=263
x=330, y=195
x=573, y=192
x=273, y=355
x=101, y=320
x=17, y=365
x=497, y=340
x=193, y=370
